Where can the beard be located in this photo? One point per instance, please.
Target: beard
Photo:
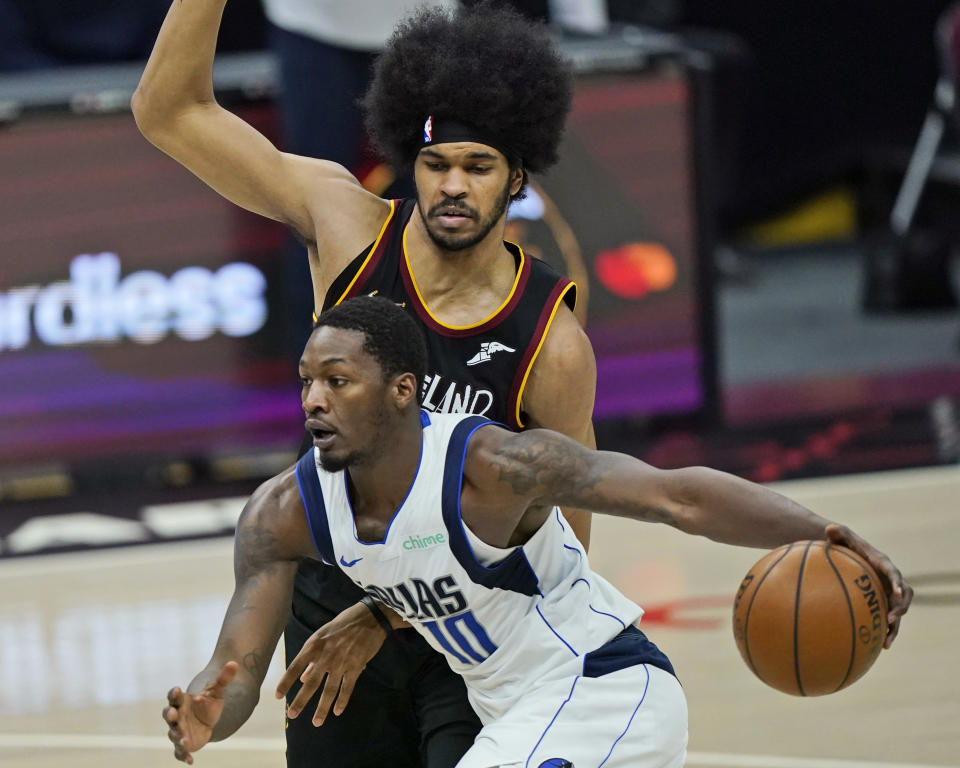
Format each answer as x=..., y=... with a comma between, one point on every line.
x=335, y=464
x=365, y=454
x=462, y=242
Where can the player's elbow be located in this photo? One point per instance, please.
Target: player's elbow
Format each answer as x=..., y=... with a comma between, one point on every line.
x=682, y=498
x=158, y=118
x=147, y=113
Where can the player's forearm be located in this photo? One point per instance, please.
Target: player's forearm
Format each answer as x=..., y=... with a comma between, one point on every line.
x=179, y=72
x=732, y=510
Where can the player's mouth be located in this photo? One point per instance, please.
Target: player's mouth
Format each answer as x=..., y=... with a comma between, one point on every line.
x=451, y=216
x=323, y=434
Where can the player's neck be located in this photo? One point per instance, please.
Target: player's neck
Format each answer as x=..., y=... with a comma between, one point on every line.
x=379, y=486
x=476, y=279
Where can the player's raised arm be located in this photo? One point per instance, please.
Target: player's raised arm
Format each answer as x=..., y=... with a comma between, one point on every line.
x=529, y=472
x=270, y=537
x=175, y=108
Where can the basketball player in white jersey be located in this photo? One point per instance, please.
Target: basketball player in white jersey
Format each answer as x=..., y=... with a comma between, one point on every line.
x=450, y=522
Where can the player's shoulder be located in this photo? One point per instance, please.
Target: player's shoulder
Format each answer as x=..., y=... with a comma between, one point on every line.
x=562, y=385
x=346, y=217
x=567, y=353
x=275, y=497
x=273, y=518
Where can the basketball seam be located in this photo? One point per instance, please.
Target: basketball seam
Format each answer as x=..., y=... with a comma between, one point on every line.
x=853, y=623
x=796, y=620
x=746, y=618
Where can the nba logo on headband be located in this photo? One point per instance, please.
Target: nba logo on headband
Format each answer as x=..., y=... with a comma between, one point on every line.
x=428, y=130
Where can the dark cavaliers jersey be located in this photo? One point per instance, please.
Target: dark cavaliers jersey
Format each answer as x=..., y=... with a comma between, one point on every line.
x=479, y=369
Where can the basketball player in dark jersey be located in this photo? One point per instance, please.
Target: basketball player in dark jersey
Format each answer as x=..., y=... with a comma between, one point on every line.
x=474, y=100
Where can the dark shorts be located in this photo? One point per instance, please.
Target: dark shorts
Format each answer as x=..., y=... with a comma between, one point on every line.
x=408, y=710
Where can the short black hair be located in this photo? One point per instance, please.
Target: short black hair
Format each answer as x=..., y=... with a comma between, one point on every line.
x=484, y=66
x=391, y=336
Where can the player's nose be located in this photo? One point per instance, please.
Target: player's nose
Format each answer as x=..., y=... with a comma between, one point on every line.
x=315, y=398
x=454, y=183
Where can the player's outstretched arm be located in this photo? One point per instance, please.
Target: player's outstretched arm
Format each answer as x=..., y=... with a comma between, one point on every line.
x=528, y=472
x=271, y=539
x=175, y=108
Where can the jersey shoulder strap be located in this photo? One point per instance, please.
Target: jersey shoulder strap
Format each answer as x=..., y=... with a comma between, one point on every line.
x=545, y=291
x=308, y=482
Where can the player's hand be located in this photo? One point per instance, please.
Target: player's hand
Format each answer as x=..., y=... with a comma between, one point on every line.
x=333, y=657
x=899, y=593
x=191, y=717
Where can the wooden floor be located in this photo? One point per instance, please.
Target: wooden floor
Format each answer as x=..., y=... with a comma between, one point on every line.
x=90, y=643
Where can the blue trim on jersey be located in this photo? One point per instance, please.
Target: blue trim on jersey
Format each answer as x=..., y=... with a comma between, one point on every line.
x=630, y=721
x=424, y=419
x=552, y=721
x=630, y=648
x=619, y=621
x=514, y=572
x=312, y=495
x=559, y=637
x=604, y=613
x=416, y=474
x=573, y=549
x=559, y=520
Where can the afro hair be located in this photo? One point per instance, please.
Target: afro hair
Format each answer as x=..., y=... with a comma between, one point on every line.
x=483, y=66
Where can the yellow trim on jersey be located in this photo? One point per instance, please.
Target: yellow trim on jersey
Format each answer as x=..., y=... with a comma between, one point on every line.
x=373, y=249
x=536, y=352
x=497, y=311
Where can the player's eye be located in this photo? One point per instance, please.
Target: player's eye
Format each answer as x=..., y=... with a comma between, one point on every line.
x=304, y=382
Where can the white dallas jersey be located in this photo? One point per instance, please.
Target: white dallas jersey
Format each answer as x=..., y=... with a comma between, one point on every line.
x=506, y=619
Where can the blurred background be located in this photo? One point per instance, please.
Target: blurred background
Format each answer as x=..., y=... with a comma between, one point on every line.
x=768, y=289
x=760, y=201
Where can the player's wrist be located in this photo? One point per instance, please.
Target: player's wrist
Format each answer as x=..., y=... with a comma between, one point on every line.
x=381, y=618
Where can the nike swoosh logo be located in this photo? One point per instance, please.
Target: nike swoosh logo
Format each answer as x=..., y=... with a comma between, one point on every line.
x=350, y=564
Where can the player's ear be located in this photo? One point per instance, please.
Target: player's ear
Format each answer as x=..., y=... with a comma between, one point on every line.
x=404, y=390
x=517, y=177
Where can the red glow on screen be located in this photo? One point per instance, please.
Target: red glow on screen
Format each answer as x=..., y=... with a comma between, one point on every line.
x=636, y=269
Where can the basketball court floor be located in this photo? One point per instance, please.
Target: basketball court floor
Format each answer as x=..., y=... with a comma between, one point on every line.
x=90, y=643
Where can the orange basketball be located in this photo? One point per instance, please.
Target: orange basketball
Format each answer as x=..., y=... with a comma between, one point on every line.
x=810, y=618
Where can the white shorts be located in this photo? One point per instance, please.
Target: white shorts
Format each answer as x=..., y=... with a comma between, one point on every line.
x=632, y=718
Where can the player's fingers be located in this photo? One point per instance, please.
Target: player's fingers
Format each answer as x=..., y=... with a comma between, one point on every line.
x=175, y=696
x=330, y=689
x=311, y=680
x=343, y=698
x=838, y=534
x=893, y=629
x=300, y=664
x=227, y=673
x=170, y=715
x=899, y=605
x=287, y=679
x=182, y=753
